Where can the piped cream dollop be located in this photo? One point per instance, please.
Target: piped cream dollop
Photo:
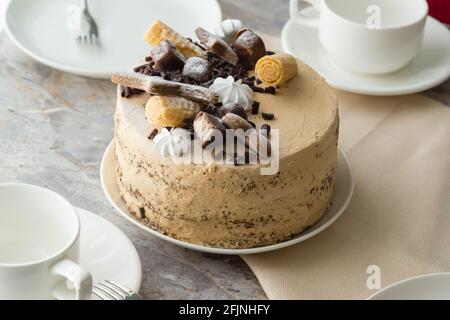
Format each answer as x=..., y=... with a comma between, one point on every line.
x=230, y=91
x=228, y=29
x=173, y=143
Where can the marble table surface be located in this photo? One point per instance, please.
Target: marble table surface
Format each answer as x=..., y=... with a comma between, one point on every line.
x=54, y=128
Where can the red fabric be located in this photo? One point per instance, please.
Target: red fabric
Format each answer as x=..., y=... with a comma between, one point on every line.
x=440, y=9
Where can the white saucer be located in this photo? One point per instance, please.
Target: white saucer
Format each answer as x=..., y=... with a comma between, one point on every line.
x=430, y=68
x=344, y=192
x=107, y=253
x=435, y=286
x=39, y=28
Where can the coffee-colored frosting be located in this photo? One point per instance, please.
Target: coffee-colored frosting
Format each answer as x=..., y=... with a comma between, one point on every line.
x=235, y=206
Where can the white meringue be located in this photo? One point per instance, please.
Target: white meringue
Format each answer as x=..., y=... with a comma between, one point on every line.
x=229, y=91
x=173, y=143
x=227, y=29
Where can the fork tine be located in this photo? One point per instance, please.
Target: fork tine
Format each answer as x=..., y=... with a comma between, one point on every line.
x=111, y=288
x=97, y=293
x=119, y=287
x=102, y=293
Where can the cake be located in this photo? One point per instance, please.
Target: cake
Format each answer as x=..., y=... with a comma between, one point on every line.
x=218, y=204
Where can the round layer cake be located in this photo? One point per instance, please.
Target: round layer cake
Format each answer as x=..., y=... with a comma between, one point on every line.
x=232, y=206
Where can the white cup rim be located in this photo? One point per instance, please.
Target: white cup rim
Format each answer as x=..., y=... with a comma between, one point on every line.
x=59, y=252
x=424, y=14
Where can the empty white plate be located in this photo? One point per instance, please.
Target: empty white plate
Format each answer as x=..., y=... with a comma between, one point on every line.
x=107, y=253
x=435, y=286
x=40, y=29
x=344, y=192
x=430, y=68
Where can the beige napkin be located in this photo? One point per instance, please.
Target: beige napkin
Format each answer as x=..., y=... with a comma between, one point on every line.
x=399, y=217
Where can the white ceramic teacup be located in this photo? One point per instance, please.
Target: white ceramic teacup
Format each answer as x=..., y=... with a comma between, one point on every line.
x=367, y=36
x=39, y=244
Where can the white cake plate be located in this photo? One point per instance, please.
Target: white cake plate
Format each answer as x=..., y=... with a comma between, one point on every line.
x=344, y=192
x=107, y=253
x=42, y=30
x=429, y=68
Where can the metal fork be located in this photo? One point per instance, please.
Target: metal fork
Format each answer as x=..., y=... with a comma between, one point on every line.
x=109, y=290
x=88, y=27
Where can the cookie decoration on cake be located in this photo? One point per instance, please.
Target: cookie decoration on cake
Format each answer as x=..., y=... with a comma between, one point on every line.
x=249, y=47
x=232, y=108
x=166, y=57
x=159, y=31
x=198, y=69
x=207, y=127
x=158, y=86
x=274, y=70
x=170, y=111
x=217, y=45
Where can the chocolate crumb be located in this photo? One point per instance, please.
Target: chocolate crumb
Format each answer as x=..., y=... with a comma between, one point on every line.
x=142, y=213
x=268, y=116
x=153, y=134
x=258, y=81
x=270, y=53
x=255, y=107
x=270, y=90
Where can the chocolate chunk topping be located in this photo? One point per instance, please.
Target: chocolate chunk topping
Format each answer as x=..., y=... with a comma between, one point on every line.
x=270, y=90
x=255, y=107
x=217, y=45
x=234, y=121
x=232, y=108
x=268, y=116
x=206, y=127
x=166, y=57
x=198, y=69
x=153, y=134
x=249, y=47
x=142, y=213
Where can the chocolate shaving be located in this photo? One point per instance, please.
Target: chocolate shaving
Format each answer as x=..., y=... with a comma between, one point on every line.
x=268, y=116
x=270, y=90
x=153, y=134
x=255, y=107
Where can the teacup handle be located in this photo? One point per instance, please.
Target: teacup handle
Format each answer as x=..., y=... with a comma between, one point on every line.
x=300, y=18
x=80, y=279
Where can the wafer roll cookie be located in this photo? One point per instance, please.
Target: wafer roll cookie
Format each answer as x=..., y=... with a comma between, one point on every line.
x=159, y=31
x=169, y=111
x=276, y=69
